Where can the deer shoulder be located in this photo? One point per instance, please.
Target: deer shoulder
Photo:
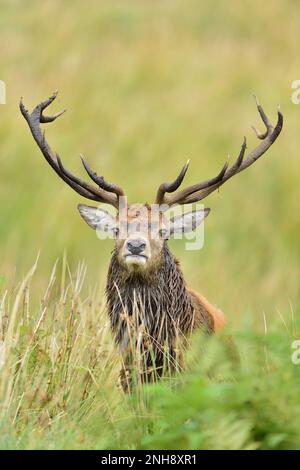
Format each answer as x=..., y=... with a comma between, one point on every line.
x=204, y=307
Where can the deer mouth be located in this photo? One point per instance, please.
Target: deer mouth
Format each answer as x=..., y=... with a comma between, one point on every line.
x=136, y=260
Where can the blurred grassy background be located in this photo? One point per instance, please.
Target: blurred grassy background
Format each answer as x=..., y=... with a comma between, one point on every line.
x=148, y=84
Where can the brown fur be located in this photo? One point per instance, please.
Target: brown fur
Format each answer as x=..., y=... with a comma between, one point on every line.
x=151, y=313
x=219, y=320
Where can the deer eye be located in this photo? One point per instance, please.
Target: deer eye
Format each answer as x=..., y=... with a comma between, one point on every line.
x=163, y=233
x=116, y=231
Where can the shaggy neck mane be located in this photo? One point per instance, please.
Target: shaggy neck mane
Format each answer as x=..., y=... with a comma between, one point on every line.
x=158, y=301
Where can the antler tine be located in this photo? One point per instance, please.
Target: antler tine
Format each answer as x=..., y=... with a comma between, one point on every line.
x=37, y=113
x=266, y=121
x=241, y=155
x=110, y=187
x=97, y=193
x=201, y=190
x=185, y=193
x=171, y=187
x=33, y=121
x=85, y=189
x=42, y=106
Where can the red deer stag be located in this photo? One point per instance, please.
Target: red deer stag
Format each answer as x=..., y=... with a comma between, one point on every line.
x=149, y=304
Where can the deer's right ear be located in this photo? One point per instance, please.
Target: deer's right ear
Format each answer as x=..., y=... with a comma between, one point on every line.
x=98, y=219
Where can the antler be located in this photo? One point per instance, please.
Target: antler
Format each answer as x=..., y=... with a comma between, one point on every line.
x=201, y=190
x=105, y=192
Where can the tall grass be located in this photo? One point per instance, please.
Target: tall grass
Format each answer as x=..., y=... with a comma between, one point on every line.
x=59, y=380
x=147, y=85
x=56, y=352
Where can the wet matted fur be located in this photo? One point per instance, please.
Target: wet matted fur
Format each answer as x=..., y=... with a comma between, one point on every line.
x=150, y=314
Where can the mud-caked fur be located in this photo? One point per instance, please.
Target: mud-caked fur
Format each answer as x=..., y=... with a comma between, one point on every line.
x=151, y=313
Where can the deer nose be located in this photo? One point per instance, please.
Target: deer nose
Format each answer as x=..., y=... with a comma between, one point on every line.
x=136, y=247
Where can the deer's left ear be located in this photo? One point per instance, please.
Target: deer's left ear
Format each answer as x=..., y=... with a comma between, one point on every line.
x=186, y=223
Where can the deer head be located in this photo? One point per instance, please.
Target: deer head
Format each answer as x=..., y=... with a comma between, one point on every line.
x=140, y=230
